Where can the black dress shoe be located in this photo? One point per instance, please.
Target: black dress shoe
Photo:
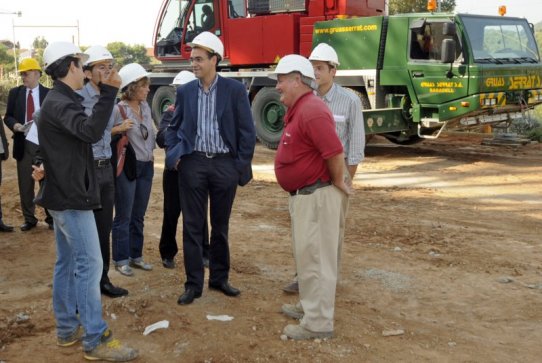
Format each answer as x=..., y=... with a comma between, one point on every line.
x=226, y=288
x=5, y=227
x=168, y=263
x=188, y=296
x=26, y=226
x=110, y=290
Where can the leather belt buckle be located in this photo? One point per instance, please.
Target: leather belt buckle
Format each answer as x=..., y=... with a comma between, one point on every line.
x=102, y=163
x=209, y=155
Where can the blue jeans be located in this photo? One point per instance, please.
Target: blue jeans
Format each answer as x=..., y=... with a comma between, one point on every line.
x=131, y=200
x=76, y=280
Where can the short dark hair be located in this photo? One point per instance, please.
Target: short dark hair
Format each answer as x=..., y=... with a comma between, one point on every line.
x=60, y=68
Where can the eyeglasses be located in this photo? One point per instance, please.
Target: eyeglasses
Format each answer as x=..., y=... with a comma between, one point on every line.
x=197, y=59
x=144, y=131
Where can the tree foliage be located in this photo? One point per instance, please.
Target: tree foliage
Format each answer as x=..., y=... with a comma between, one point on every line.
x=417, y=6
x=125, y=54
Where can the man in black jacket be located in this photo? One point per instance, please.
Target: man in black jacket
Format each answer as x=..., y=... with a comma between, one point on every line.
x=4, y=154
x=23, y=101
x=70, y=192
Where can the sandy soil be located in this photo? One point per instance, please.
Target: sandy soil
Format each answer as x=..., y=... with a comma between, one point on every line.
x=442, y=248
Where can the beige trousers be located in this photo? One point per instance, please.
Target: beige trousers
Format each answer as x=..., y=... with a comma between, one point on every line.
x=315, y=238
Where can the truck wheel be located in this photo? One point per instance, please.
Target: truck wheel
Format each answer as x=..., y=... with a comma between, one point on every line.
x=163, y=97
x=268, y=113
x=399, y=139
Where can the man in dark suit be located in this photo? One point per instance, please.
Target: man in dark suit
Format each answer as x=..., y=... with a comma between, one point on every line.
x=211, y=142
x=23, y=101
x=4, y=154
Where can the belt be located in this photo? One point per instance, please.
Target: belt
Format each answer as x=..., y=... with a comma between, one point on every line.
x=102, y=163
x=210, y=155
x=309, y=189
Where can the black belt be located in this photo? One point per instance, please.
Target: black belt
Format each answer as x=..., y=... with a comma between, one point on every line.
x=309, y=189
x=210, y=155
x=102, y=163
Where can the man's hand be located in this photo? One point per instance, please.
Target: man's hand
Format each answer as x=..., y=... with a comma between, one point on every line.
x=18, y=127
x=347, y=189
x=112, y=79
x=38, y=172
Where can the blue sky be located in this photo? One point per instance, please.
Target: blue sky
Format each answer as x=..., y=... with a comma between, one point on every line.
x=132, y=21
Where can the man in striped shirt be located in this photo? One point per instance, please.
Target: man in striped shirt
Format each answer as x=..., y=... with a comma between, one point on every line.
x=211, y=142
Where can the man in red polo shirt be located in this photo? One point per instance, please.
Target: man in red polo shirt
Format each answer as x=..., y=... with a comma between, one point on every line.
x=309, y=165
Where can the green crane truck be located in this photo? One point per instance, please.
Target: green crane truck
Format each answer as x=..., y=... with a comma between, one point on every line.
x=419, y=73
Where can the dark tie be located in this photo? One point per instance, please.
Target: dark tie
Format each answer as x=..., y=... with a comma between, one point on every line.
x=29, y=106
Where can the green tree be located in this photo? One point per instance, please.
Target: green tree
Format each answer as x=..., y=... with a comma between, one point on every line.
x=417, y=6
x=125, y=54
x=40, y=43
x=6, y=59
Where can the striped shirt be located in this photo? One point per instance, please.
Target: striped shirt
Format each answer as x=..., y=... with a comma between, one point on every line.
x=208, y=137
x=347, y=113
x=102, y=148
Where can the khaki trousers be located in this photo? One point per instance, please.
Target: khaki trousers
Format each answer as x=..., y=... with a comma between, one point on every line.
x=316, y=221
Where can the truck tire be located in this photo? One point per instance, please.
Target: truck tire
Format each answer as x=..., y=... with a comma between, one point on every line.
x=162, y=98
x=268, y=113
x=399, y=139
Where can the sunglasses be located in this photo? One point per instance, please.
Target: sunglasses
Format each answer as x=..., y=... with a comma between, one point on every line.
x=144, y=131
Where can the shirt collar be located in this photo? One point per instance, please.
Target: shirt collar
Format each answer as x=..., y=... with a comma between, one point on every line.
x=91, y=90
x=328, y=97
x=212, y=87
x=34, y=90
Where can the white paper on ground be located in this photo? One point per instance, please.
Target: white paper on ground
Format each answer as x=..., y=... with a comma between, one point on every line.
x=164, y=324
x=220, y=317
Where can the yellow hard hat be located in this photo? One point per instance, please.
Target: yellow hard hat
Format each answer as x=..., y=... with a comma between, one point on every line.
x=29, y=64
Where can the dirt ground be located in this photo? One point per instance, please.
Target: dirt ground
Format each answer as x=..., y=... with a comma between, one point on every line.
x=442, y=249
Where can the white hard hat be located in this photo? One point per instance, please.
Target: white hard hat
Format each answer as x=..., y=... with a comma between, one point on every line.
x=59, y=50
x=209, y=42
x=183, y=77
x=132, y=72
x=294, y=63
x=97, y=53
x=325, y=53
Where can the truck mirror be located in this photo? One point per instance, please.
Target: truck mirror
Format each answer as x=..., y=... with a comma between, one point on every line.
x=449, y=29
x=448, y=51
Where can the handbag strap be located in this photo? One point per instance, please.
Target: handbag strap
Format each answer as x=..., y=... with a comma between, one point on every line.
x=122, y=111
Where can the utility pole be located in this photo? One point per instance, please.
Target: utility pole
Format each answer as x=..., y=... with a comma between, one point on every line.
x=19, y=14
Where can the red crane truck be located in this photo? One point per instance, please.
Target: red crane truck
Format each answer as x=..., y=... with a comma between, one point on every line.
x=255, y=33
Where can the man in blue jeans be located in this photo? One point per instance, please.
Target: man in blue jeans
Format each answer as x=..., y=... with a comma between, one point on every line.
x=70, y=192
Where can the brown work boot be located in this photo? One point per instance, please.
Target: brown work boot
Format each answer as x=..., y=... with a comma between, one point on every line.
x=73, y=338
x=111, y=350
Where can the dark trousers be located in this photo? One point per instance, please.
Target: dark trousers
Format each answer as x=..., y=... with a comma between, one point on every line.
x=1, y=184
x=172, y=211
x=26, y=184
x=104, y=216
x=203, y=180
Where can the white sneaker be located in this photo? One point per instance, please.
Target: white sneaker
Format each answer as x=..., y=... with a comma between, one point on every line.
x=124, y=270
